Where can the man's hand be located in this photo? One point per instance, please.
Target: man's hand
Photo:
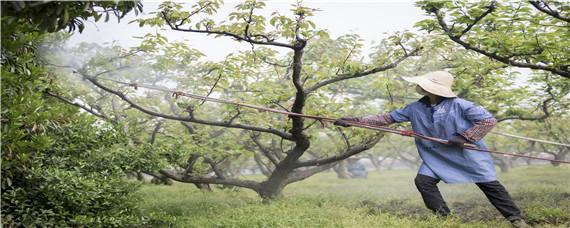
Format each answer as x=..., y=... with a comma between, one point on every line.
x=344, y=121
x=457, y=140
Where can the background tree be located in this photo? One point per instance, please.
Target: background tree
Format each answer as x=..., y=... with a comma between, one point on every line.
x=486, y=82
x=531, y=34
x=60, y=167
x=292, y=83
x=510, y=36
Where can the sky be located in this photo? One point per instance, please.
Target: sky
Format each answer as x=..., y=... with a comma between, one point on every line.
x=372, y=20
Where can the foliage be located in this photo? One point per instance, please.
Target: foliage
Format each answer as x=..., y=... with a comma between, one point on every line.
x=60, y=167
x=514, y=33
x=262, y=76
x=316, y=75
x=58, y=15
x=73, y=178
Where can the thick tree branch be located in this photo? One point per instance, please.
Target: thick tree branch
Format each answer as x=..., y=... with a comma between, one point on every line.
x=84, y=107
x=190, y=162
x=264, y=150
x=300, y=175
x=302, y=143
x=188, y=127
x=214, y=165
x=227, y=34
x=543, y=7
x=492, y=55
x=342, y=77
x=155, y=132
x=265, y=168
x=347, y=153
x=544, y=108
x=532, y=118
x=207, y=180
x=192, y=119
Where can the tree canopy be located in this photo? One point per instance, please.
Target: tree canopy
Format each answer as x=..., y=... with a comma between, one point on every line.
x=78, y=115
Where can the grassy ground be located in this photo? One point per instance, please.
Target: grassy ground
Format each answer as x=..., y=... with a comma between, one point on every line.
x=385, y=199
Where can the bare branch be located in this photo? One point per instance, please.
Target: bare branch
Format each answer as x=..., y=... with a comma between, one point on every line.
x=194, y=13
x=238, y=113
x=84, y=107
x=188, y=127
x=347, y=153
x=489, y=10
x=344, y=137
x=213, y=87
x=347, y=58
x=109, y=71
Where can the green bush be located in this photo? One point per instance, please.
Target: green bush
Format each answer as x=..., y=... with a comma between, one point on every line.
x=76, y=181
x=60, y=167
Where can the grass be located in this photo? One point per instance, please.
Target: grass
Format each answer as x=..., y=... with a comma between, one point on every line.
x=385, y=199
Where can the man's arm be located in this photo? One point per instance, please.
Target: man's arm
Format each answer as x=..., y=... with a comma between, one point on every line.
x=479, y=129
x=482, y=120
x=379, y=120
x=396, y=116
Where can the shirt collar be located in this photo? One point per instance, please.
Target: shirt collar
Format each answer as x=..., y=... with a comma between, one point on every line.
x=425, y=100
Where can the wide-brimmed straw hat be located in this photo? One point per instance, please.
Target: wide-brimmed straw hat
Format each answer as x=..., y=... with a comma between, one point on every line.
x=437, y=82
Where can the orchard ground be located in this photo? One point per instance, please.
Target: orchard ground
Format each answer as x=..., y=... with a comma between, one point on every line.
x=385, y=199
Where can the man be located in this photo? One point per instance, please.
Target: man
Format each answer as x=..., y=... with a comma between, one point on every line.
x=441, y=114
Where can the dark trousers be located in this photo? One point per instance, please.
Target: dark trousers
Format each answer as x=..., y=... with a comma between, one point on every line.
x=495, y=192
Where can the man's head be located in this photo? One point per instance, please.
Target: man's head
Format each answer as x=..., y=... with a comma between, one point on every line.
x=421, y=91
x=437, y=83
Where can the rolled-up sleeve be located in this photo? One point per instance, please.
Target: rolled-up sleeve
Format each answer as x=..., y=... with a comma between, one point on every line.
x=479, y=129
x=379, y=120
x=482, y=121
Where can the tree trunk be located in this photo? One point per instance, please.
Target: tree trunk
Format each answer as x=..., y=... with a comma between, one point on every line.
x=560, y=156
x=341, y=171
x=503, y=165
x=158, y=178
x=270, y=191
x=391, y=165
x=376, y=162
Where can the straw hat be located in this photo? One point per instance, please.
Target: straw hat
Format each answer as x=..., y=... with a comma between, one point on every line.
x=437, y=82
